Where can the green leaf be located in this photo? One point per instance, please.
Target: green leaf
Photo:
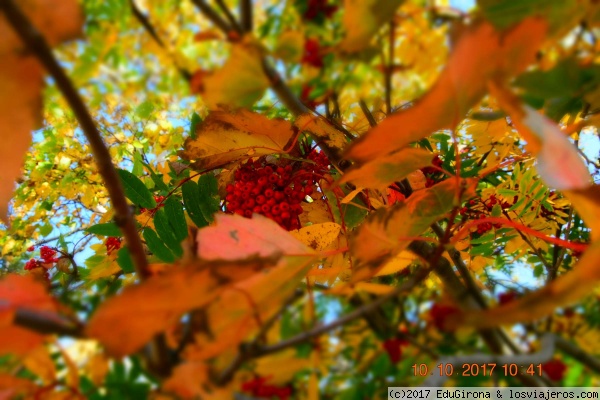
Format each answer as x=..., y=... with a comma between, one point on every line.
x=135, y=190
x=191, y=200
x=504, y=13
x=496, y=210
x=125, y=261
x=176, y=217
x=157, y=247
x=164, y=230
x=194, y=121
x=107, y=229
x=210, y=201
x=144, y=110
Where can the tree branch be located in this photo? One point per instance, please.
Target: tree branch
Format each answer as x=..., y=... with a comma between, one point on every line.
x=213, y=16
x=47, y=323
x=37, y=44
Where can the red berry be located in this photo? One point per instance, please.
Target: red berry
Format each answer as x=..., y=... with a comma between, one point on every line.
x=31, y=248
x=555, y=369
x=260, y=199
x=269, y=193
x=229, y=188
x=393, y=348
x=439, y=313
x=284, y=206
x=247, y=213
x=265, y=208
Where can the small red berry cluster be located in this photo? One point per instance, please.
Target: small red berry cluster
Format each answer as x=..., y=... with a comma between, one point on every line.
x=258, y=387
x=433, y=174
x=312, y=53
x=477, y=209
x=393, y=348
x=439, y=313
x=274, y=191
x=507, y=297
x=555, y=369
x=112, y=244
x=47, y=255
x=316, y=8
x=159, y=201
x=305, y=97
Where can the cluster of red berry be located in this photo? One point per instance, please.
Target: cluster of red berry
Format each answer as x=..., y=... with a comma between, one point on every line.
x=433, y=174
x=555, y=369
x=507, y=297
x=159, y=201
x=258, y=387
x=439, y=313
x=312, y=53
x=48, y=257
x=316, y=8
x=476, y=209
x=393, y=348
x=112, y=244
x=274, y=191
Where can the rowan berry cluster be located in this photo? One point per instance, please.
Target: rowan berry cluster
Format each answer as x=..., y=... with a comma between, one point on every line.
x=312, y=53
x=47, y=255
x=555, y=369
x=318, y=8
x=272, y=190
x=159, y=201
x=393, y=348
x=112, y=244
x=439, y=313
x=259, y=388
x=433, y=174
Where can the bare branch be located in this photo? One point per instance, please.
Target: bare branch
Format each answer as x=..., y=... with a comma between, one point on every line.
x=246, y=15
x=47, y=323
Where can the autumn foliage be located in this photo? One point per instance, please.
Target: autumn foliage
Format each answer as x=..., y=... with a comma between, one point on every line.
x=313, y=199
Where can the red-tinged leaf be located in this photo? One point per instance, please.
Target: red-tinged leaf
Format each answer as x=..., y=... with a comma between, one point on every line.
x=21, y=81
x=124, y=323
x=386, y=232
x=226, y=136
x=480, y=54
x=382, y=171
x=558, y=162
x=234, y=237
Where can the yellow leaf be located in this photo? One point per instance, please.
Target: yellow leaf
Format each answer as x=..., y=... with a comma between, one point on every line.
x=318, y=236
x=362, y=19
x=240, y=83
x=281, y=367
x=320, y=128
x=290, y=46
x=401, y=261
x=226, y=136
x=316, y=212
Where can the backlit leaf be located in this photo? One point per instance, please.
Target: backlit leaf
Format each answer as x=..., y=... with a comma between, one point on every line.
x=135, y=190
x=225, y=136
x=480, y=53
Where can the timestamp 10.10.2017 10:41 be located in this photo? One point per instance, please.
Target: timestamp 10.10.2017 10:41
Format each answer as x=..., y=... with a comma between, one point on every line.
x=448, y=369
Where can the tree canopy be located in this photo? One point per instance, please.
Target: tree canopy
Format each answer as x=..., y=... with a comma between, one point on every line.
x=310, y=199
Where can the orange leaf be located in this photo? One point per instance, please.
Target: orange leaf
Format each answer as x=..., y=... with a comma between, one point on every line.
x=21, y=81
x=481, y=53
x=386, y=232
x=226, y=136
x=382, y=171
x=126, y=322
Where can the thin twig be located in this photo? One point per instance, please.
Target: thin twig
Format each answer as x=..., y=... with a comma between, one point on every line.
x=246, y=16
x=232, y=21
x=213, y=16
x=367, y=112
